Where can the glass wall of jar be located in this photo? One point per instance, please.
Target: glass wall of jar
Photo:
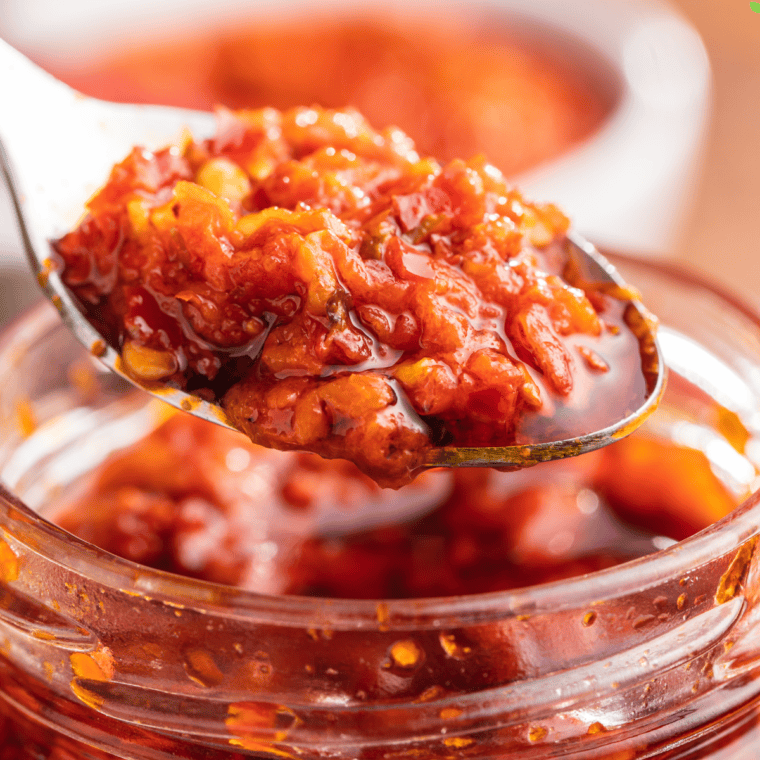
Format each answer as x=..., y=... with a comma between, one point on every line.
x=100, y=657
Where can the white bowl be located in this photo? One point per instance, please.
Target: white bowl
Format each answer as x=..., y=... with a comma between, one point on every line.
x=627, y=187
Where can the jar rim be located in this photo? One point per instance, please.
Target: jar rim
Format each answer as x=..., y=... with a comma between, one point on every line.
x=43, y=536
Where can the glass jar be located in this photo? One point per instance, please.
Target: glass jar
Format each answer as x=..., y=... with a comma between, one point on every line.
x=656, y=658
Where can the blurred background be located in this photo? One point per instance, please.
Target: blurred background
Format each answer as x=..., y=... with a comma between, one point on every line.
x=722, y=233
x=640, y=118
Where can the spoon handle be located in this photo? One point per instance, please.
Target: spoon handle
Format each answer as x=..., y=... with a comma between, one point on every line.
x=33, y=101
x=57, y=147
x=63, y=144
x=33, y=123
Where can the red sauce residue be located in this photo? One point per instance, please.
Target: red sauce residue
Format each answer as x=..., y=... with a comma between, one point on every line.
x=339, y=294
x=459, y=88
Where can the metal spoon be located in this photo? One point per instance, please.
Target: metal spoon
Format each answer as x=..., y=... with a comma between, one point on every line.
x=58, y=146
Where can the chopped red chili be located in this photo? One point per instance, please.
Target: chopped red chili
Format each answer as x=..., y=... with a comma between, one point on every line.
x=339, y=294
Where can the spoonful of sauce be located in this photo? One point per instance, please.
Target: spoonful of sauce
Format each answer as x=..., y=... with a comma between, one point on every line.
x=318, y=285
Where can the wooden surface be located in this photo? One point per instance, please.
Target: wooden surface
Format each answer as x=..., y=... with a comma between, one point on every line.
x=722, y=237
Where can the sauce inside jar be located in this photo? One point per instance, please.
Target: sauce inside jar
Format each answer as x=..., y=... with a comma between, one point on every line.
x=204, y=502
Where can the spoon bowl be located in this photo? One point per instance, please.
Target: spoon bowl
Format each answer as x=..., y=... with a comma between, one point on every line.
x=57, y=147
